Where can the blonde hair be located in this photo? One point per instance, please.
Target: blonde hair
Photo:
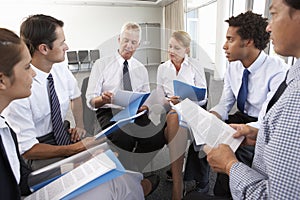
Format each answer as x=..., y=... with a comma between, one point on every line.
x=132, y=26
x=184, y=38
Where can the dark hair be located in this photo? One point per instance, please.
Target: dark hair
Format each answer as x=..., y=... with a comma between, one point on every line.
x=293, y=4
x=39, y=29
x=10, y=50
x=251, y=26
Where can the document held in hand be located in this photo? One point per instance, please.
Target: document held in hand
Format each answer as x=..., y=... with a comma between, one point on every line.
x=80, y=177
x=184, y=90
x=132, y=101
x=206, y=128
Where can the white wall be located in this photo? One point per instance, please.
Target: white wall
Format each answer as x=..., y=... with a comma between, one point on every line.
x=86, y=27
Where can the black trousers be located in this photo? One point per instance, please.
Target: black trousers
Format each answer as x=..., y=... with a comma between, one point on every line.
x=137, y=143
x=244, y=154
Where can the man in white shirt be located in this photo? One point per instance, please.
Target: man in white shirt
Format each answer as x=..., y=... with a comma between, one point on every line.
x=246, y=39
x=105, y=79
x=31, y=117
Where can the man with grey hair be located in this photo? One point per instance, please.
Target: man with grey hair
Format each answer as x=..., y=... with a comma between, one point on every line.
x=121, y=71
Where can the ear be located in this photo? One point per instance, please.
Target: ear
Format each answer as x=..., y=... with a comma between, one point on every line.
x=3, y=81
x=43, y=49
x=249, y=42
x=119, y=39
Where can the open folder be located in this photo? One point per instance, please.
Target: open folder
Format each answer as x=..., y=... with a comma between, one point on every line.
x=118, y=124
x=184, y=90
x=75, y=175
x=132, y=101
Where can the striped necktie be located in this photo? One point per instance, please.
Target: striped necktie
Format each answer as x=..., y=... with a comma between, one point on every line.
x=60, y=135
x=126, y=77
x=243, y=92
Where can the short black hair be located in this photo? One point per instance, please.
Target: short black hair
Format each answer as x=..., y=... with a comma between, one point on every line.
x=39, y=29
x=293, y=4
x=251, y=26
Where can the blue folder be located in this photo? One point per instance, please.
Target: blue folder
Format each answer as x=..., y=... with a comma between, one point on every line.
x=184, y=90
x=118, y=171
x=131, y=109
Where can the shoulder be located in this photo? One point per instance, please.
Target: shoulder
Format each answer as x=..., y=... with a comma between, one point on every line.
x=276, y=64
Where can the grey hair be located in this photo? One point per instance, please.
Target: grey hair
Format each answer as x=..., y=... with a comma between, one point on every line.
x=132, y=26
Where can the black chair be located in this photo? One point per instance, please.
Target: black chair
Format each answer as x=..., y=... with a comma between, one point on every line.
x=89, y=116
x=94, y=55
x=84, y=59
x=73, y=61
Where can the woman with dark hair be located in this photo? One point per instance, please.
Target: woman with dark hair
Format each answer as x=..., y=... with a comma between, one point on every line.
x=15, y=83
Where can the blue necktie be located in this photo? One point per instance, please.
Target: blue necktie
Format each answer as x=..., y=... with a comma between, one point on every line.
x=126, y=77
x=242, y=96
x=60, y=135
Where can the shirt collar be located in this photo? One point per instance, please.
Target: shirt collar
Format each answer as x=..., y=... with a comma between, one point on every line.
x=294, y=72
x=121, y=60
x=258, y=62
x=40, y=76
x=2, y=122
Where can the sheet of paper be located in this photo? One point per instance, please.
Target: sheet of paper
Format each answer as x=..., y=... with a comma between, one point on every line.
x=124, y=98
x=206, y=128
x=96, y=166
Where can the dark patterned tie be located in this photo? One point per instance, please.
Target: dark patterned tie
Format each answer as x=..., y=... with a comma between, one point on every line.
x=60, y=135
x=277, y=94
x=242, y=96
x=126, y=77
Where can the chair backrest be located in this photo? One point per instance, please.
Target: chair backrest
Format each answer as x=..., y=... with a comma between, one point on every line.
x=94, y=54
x=83, y=56
x=72, y=57
x=89, y=116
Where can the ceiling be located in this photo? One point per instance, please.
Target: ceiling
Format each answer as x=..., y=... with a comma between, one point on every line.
x=150, y=3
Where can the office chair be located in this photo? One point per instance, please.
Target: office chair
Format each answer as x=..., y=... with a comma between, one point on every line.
x=89, y=116
x=94, y=55
x=73, y=61
x=84, y=59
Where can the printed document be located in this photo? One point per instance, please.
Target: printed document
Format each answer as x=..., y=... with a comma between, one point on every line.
x=206, y=127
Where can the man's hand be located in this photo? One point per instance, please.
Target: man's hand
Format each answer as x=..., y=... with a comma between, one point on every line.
x=77, y=133
x=142, y=108
x=106, y=97
x=216, y=114
x=174, y=99
x=221, y=158
x=249, y=132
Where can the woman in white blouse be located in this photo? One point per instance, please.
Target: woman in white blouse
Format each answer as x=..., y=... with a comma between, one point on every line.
x=186, y=69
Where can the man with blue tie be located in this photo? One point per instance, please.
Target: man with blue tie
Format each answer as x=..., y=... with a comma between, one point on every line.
x=251, y=79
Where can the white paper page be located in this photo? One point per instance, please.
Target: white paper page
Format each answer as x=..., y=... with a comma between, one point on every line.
x=207, y=128
x=124, y=98
x=157, y=105
x=83, y=174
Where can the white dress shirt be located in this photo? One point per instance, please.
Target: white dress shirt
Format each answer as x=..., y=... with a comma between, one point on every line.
x=10, y=148
x=31, y=117
x=266, y=74
x=191, y=72
x=107, y=75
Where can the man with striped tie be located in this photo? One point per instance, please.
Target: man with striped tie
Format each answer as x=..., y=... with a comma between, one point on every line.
x=38, y=120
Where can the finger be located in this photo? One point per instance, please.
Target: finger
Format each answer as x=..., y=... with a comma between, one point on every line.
x=207, y=149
